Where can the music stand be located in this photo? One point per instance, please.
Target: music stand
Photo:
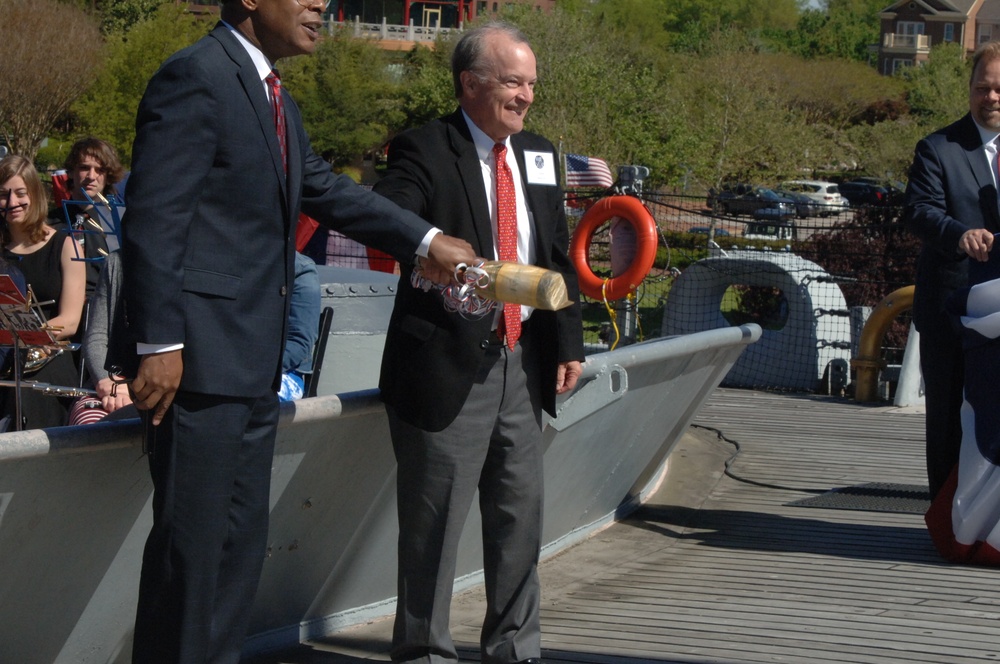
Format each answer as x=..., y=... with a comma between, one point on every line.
x=108, y=211
x=22, y=325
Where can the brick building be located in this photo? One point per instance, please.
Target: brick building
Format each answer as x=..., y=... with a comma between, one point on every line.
x=911, y=27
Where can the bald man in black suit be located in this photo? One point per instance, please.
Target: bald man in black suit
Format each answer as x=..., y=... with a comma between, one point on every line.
x=464, y=397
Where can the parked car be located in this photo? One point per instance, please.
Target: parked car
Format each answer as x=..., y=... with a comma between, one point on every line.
x=705, y=230
x=826, y=194
x=760, y=202
x=770, y=230
x=895, y=188
x=866, y=192
x=728, y=189
x=804, y=206
x=781, y=212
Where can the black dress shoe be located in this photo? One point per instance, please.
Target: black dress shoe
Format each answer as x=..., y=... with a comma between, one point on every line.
x=533, y=660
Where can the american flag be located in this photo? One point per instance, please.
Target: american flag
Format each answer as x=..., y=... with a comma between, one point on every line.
x=584, y=171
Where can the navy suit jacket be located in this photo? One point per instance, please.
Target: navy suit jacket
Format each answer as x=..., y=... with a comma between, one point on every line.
x=950, y=191
x=208, y=236
x=431, y=355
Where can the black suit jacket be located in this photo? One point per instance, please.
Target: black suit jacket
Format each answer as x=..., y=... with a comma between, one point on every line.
x=950, y=191
x=209, y=231
x=432, y=356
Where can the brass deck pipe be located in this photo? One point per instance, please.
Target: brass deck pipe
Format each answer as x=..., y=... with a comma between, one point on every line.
x=869, y=360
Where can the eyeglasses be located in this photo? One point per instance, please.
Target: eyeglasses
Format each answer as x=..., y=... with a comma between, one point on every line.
x=310, y=3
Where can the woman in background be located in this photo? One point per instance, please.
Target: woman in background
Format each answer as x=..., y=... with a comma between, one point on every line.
x=46, y=257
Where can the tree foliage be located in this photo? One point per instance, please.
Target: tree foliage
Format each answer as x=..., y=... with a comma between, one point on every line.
x=595, y=95
x=885, y=149
x=683, y=24
x=844, y=29
x=109, y=107
x=643, y=23
x=728, y=107
x=938, y=91
x=699, y=90
x=428, y=90
x=733, y=105
x=39, y=83
x=834, y=92
x=347, y=95
x=118, y=16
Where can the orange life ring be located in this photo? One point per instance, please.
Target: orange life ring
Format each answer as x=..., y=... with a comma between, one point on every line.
x=635, y=213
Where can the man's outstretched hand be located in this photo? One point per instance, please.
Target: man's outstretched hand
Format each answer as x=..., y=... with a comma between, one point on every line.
x=444, y=255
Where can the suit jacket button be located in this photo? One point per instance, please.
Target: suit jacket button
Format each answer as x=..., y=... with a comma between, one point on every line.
x=484, y=344
x=283, y=291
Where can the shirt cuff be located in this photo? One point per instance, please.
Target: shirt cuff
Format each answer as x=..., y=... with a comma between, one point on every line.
x=425, y=244
x=149, y=349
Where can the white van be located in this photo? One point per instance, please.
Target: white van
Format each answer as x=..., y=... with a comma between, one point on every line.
x=825, y=193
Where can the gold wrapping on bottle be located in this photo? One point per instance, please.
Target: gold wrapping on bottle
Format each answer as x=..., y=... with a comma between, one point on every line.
x=525, y=284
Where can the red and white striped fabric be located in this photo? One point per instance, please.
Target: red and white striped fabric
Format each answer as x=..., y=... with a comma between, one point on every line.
x=583, y=171
x=964, y=519
x=86, y=410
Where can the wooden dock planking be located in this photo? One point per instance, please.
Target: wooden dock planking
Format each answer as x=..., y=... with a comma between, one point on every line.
x=718, y=570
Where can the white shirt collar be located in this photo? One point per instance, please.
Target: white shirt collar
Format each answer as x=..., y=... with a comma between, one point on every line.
x=988, y=135
x=484, y=144
x=259, y=59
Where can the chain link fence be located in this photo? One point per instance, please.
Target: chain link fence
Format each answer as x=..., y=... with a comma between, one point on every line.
x=809, y=281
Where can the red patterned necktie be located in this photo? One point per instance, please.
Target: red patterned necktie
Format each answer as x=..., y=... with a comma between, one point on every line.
x=510, y=325
x=278, y=108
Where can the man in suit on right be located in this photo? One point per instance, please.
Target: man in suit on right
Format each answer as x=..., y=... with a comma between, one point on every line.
x=952, y=205
x=465, y=396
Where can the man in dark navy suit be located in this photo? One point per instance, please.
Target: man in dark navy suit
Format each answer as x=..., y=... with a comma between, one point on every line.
x=952, y=205
x=465, y=397
x=214, y=196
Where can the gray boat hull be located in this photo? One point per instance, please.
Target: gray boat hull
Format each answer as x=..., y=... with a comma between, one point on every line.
x=75, y=503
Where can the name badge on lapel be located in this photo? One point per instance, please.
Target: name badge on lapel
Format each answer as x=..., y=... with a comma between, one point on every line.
x=540, y=167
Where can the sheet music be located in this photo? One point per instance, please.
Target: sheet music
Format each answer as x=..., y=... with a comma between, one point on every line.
x=20, y=318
